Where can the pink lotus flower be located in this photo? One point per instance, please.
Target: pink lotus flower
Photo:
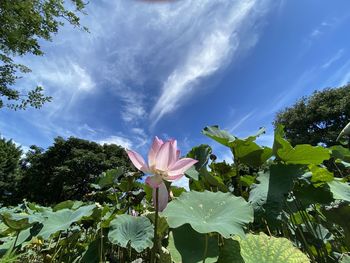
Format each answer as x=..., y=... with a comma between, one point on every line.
x=164, y=164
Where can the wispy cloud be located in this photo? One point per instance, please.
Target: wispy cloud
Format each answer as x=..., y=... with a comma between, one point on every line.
x=333, y=59
x=139, y=63
x=340, y=77
x=241, y=121
x=223, y=35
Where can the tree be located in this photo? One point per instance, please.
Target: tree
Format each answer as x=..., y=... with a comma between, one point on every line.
x=67, y=168
x=318, y=118
x=10, y=155
x=23, y=24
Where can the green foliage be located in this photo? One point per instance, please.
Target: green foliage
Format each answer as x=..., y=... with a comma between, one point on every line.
x=210, y=212
x=318, y=118
x=340, y=190
x=24, y=23
x=188, y=246
x=265, y=249
x=128, y=230
x=272, y=191
x=294, y=195
x=63, y=219
x=10, y=156
x=300, y=154
x=66, y=170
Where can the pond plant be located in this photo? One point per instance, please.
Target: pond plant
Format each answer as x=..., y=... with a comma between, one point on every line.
x=272, y=204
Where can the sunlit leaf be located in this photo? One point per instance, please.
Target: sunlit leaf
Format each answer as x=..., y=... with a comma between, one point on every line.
x=210, y=212
x=320, y=174
x=340, y=190
x=301, y=154
x=221, y=136
x=264, y=249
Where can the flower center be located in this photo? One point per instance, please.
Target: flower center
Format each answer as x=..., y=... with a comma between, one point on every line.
x=158, y=172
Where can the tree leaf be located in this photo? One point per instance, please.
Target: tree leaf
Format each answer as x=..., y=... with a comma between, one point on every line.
x=125, y=229
x=210, y=212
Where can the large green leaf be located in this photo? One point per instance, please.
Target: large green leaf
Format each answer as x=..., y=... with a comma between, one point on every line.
x=91, y=255
x=309, y=194
x=63, y=219
x=136, y=231
x=15, y=221
x=301, y=154
x=269, y=195
x=320, y=174
x=69, y=204
x=200, y=153
x=187, y=246
x=109, y=177
x=246, y=151
x=221, y=136
x=340, y=190
x=210, y=212
x=250, y=153
x=264, y=249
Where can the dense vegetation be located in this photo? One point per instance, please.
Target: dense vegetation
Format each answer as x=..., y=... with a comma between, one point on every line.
x=278, y=204
x=64, y=171
x=317, y=118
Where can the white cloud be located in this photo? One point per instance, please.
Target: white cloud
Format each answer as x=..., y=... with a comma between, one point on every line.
x=119, y=140
x=333, y=59
x=148, y=59
x=219, y=39
x=340, y=77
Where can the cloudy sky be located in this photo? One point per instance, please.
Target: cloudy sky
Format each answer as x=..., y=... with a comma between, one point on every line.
x=170, y=69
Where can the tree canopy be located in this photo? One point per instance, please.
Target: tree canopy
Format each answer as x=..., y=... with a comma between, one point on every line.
x=318, y=118
x=23, y=24
x=67, y=168
x=10, y=155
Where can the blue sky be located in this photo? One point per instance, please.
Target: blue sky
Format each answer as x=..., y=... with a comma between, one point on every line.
x=170, y=69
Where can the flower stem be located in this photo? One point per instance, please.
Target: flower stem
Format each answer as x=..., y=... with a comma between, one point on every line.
x=155, y=239
x=205, y=247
